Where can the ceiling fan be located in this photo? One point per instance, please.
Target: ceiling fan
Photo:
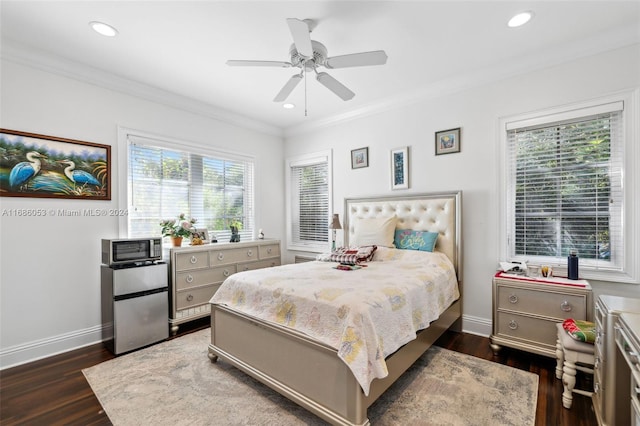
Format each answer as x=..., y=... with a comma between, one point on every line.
x=308, y=55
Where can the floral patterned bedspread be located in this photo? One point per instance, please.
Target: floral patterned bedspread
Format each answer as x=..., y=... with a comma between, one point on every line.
x=365, y=314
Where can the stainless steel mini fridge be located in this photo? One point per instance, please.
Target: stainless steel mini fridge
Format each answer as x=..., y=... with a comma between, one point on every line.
x=135, y=306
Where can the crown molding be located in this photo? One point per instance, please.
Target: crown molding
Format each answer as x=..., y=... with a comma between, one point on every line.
x=20, y=54
x=596, y=44
x=599, y=43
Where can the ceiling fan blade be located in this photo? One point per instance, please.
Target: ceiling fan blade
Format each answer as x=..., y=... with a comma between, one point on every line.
x=234, y=63
x=335, y=86
x=378, y=57
x=301, y=38
x=288, y=88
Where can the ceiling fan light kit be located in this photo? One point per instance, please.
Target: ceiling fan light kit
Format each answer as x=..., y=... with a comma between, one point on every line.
x=308, y=55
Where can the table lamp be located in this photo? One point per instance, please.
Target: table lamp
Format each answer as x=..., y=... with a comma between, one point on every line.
x=333, y=225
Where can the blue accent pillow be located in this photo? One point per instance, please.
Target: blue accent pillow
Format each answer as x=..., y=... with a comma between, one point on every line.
x=415, y=240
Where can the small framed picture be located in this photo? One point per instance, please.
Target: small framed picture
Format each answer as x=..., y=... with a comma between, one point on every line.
x=359, y=158
x=203, y=234
x=400, y=168
x=448, y=141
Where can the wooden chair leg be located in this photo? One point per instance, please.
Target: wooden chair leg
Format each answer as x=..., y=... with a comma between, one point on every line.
x=569, y=382
x=559, y=359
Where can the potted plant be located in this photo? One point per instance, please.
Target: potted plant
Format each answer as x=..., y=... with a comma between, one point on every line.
x=177, y=229
x=235, y=226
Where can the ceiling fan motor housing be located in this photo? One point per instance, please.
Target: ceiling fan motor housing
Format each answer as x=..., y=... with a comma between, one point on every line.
x=319, y=56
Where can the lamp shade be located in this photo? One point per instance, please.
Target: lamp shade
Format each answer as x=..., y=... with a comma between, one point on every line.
x=335, y=222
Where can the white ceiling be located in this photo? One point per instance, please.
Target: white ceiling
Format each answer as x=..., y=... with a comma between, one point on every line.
x=434, y=47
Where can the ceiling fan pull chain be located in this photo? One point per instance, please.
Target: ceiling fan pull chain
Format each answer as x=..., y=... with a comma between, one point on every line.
x=304, y=68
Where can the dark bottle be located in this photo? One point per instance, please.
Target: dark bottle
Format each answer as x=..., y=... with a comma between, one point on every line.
x=572, y=265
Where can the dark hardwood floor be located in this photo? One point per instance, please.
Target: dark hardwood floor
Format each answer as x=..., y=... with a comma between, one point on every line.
x=53, y=391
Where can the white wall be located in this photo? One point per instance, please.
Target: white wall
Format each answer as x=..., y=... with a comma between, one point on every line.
x=49, y=271
x=49, y=267
x=474, y=169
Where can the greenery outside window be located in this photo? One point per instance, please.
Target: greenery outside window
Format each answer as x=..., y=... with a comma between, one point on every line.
x=563, y=190
x=308, y=202
x=164, y=180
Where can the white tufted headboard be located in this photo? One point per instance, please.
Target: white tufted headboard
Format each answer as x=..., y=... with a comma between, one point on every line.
x=437, y=212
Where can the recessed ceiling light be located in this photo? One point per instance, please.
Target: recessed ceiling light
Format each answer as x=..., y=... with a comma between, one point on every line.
x=520, y=19
x=288, y=106
x=104, y=29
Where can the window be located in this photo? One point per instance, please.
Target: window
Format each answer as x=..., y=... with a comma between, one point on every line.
x=563, y=189
x=165, y=180
x=309, y=183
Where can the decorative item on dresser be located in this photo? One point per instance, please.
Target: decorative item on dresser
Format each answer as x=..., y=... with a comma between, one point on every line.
x=198, y=271
x=526, y=310
x=610, y=401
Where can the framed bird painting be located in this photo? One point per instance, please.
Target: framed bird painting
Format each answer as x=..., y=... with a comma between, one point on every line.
x=34, y=165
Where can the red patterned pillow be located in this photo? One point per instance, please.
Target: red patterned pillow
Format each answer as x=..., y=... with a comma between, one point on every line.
x=582, y=331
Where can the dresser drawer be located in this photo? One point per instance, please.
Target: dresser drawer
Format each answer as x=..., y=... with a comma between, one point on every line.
x=244, y=254
x=527, y=329
x=190, y=261
x=258, y=265
x=199, y=278
x=543, y=303
x=268, y=251
x=195, y=296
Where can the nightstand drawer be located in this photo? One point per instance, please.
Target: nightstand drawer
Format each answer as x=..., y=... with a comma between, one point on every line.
x=207, y=276
x=189, y=261
x=195, y=296
x=527, y=329
x=543, y=303
x=221, y=257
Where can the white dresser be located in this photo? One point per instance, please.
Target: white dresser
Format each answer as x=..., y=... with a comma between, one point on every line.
x=198, y=271
x=526, y=310
x=627, y=331
x=610, y=408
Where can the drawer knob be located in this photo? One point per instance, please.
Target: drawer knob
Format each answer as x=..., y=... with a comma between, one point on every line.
x=565, y=306
x=189, y=278
x=220, y=256
x=194, y=260
x=269, y=250
x=513, y=324
x=246, y=268
x=513, y=298
x=225, y=272
x=190, y=298
x=249, y=253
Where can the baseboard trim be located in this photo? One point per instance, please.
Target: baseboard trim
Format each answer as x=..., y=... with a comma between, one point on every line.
x=44, y=348
x=476, y=325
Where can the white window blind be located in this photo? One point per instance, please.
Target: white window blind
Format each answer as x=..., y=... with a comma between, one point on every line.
x=309, y=203
x=214, y=188
x=565, y=187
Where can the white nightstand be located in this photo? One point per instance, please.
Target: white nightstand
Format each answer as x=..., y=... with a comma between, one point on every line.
x=526, y=310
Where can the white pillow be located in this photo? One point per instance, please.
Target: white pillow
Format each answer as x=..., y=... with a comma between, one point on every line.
x=374, y=231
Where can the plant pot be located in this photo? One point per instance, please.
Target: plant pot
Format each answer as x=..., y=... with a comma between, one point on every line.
x=177, y=241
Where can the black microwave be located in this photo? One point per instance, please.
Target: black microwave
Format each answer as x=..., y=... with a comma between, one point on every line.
x=131, y=250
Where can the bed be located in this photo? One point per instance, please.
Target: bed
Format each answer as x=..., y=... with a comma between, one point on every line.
x=313, y=373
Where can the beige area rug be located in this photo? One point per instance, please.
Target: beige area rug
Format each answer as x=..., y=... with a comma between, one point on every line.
x=174, y=383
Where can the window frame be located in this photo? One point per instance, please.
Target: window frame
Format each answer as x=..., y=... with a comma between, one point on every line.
x=629, y=269
x=124, y=136
x=301, y=160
